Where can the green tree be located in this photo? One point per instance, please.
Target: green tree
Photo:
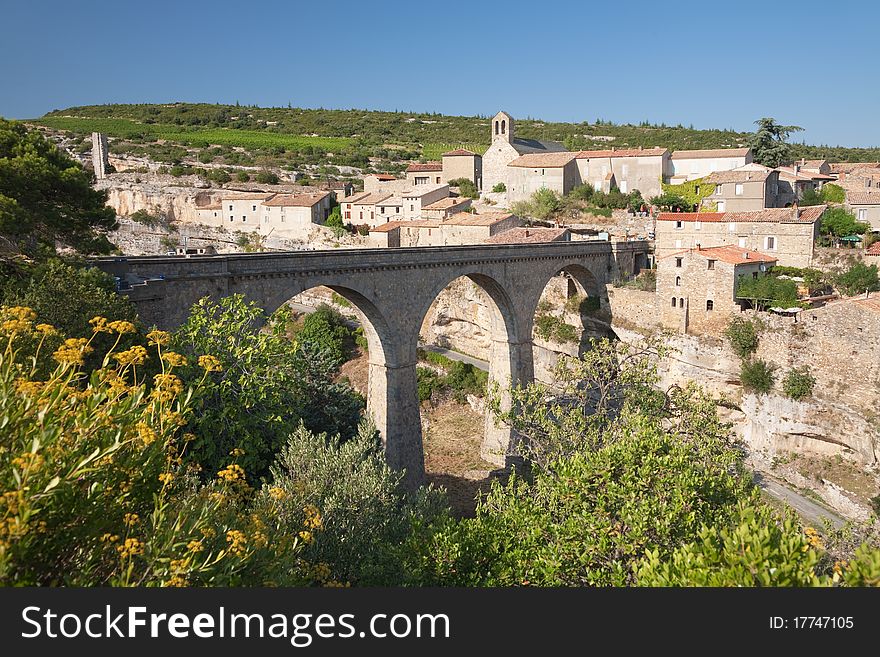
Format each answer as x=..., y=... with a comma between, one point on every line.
x=267, y=178
x=242, y=176
x=334, y=219
x=839, y=222
x=832, y=193
x=47, y=198
x=767, y=292
x=742, y=335
x=326, y=331
x=263, y=387
x=798, y=383
x=672, y=202
x=466, y=187
x=769, y=142
x=219, y=176
x=811, y=197
x=859, y=278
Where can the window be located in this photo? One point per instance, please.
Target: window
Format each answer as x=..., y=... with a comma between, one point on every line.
x=863, y=214
x=681, y=303
x=721, y=206
x=542, y=172
x=383, y=209
x=361, y=215
x=503, y=126
x=254, y=209
x=698, y=225
x=738, y=189
x=710, y=305
x=696, y=189
x=623, y=186
x=244, y=218
x=717, y=190
x=230, y=208
x=673, y=302
x=678, y=262
x=710, y=264
x=496, y=127
x=770, y=243
x=742, y=242
x=412, y=208
x=231, y=218
x=678, y=281
x=679, y=225
x=422, y=180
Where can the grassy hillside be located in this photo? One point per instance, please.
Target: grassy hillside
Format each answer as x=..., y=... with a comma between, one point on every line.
x=393, y=136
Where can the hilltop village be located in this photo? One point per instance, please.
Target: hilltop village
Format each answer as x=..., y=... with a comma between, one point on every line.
x=725, y=241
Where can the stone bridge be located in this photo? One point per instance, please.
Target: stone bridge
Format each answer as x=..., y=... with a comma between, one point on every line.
x=393, y=289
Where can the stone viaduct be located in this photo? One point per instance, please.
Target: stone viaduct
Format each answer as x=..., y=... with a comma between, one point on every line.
x=393, y=289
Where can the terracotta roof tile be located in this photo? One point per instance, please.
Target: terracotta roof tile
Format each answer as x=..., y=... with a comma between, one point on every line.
x=863, y=198
x=749, y=173
x=690, y=216
x=447, y=203
x=470, y=219
x=730, y=254
x=805, y=215
x=367, y=199
x=415, y=167
x=459, y=151
x=623, y=152
x=296, y=200
x=718, y=152
x=545, y=160
x=873, y=250
x=391, y=225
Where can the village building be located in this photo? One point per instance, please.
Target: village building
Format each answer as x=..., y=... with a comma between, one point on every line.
x=506, y=147
x=530, y=235
x=745, y=189
x=420, y=196
x=816, y=166
x=360, y=209
x=424, y=173
x=794, y=182
x=295, y=213
x=340, y=189
x=788, y=234
x=626, y=169
x=529, y=173
x=242, y=211
x=692, y=165
x=462, y=163
x=376, y=182
x=865, y=205
x=696, y=288
x=461, y=228
x=446, y=207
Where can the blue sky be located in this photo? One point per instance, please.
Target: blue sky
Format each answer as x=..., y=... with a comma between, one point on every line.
x=709, y=64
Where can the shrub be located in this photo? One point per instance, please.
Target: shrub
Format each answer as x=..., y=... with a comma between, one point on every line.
x=499, y=187
x=334, y=219
x=757, y=376
x=267, y=178
x=858, y=279
x=832, y=193
x=429, y=382
x=145, y=218
x=265, y=385
x=206, y=157
x=551, y=327
x=839, y=222
x=326, y=331
x=798, y=383
x=768, y=292
x=742, y=334
x=218, y=176
x=242, y=176
x=466, y=187
x=177, y=171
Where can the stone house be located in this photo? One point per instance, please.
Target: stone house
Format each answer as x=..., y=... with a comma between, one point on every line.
x=816, y=166
x=462, y=228
x=696, y=288
x=462, y=163
x=795, y=181
x=506, y=147
x=529, y=173
x=234, y=211
x=419, y=196
x=446, y=207
x=294, y=214
x=530, y=235
x=376, y=182
x=424, y=173
x=745, y=189
x=788, y=234
x=340, y=189
x=865, y=206
x=360, y=209
x=626, y=169
x=389, y=209
x=692, y=165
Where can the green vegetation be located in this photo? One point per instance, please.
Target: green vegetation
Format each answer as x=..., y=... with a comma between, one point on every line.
x=858, y=279
x=742, y=334
x=814, y=279
x=267, y=178
x=242, y=176
x=768, y=292
x=837, y=222
x=552, y=328
x=832, y=193
x=145, y=218
x=757, y=376
x=326, y=332
x=798, y=383
x=684, y=197
x=459, y=379
x=769, y=143
x=499, y=187
x=645, y=280
x=47, y=198
x=266, y=386
x=466, y=187
x=672, y=202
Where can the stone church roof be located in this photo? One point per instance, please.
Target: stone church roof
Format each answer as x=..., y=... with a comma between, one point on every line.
x=526, y=146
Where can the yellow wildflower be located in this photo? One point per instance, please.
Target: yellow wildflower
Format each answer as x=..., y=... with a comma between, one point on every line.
x=47, y=329
x=313, y=517
x=121, y=327
x=159, y=337
x=238, y=451
x=137, y=355
x=109, y=538
x=195, y=546
x=237, y=542
x=174, y=359
x=146, y=433
x=209, y=363
x=15, y=326
x=306, y=536
x=188, y=437
x=277, y=493
x=99, y=324
x=166, y=477
x=260, y=539
x=208, y=532
x=21, y=312
x=131, y=547
x=72, y=351
x=176, y=581
x=231, y=473
x=178, y=564
x=131, y=518
x=31, y=388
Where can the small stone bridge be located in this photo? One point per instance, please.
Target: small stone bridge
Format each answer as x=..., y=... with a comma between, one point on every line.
x=393, y=289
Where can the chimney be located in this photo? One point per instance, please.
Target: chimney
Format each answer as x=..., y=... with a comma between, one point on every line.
x=797, y=167
x=699, y=247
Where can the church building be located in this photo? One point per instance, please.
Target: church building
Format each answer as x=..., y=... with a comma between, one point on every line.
x=506, y=147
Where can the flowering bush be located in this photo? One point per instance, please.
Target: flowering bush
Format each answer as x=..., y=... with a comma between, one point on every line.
x=95, y=488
